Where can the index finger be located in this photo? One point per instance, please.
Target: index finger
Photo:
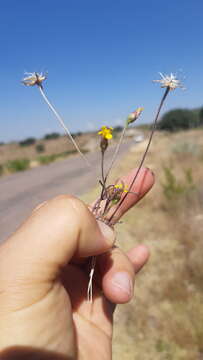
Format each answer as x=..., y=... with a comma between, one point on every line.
x=142, y=184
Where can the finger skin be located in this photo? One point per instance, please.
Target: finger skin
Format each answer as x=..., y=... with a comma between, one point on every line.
x=143, y=183
x=138, y=256
x=35, y=307
x=118, y=272
x=61, y=228
x=117, y=276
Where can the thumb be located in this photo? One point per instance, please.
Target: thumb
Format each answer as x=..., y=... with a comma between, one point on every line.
x=54, y=233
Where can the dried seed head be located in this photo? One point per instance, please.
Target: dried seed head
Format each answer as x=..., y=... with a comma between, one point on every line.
x=134, y=115
x=169, y=81
x=34, y=79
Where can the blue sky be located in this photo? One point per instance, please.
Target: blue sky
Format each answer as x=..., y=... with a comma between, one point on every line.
x=101, y=57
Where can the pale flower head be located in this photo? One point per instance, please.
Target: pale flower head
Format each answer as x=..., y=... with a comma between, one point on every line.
x=34, y=79
x=169, y=81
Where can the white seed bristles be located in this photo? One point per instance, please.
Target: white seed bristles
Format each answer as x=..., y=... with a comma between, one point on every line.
x=169, y=81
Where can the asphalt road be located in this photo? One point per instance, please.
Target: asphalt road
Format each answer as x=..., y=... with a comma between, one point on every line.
x=21, y=192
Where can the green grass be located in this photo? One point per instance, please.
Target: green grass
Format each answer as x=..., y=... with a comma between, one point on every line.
x=18, y=165
x=47, y=159
x=1, y=169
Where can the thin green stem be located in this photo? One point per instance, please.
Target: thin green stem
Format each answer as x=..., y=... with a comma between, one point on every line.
x=62, y=124
x=146, y=151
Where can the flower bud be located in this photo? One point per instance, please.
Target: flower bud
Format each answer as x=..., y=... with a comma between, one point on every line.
x=134, y=115
x=103, y=144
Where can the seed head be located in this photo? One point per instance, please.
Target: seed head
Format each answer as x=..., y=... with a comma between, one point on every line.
x=169, y=81
x=34, y=79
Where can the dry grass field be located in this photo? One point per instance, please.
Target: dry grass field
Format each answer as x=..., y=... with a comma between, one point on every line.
x=165, y=320
x=14, y=151
x=14, y=157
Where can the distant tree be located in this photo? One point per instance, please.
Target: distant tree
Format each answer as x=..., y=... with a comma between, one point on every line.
x=78, y=133
x=117, y=128
x=27, y=142
x=178, y=119
x=51, y=136
x=201, y=117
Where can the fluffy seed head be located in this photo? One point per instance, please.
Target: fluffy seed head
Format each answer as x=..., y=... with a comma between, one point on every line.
x=169, y=81
x=34, y=79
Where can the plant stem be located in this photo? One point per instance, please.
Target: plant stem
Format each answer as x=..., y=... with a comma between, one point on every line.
x=146, y=150
x=62, y=124
x=116, y=151
x=102, y=169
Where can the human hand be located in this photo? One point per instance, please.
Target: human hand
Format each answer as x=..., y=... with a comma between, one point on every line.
x=44, y=313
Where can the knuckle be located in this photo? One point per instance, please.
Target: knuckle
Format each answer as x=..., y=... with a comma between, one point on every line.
x=67, y=202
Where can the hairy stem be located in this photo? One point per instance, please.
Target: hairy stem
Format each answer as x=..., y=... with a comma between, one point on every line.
x=62, y=124
x=146, y=150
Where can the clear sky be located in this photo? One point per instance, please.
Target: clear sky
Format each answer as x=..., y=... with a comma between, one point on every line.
x=101, y=57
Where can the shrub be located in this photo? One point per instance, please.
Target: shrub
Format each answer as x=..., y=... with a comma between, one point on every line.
x=27, y=142
x=1, y=169
x=51, y=136
x=179, y=119
x=18, y=165
x=79, y=133
x=46, y=159
x=117, y=129
x=173, y=188
x=40, y=148
x=201, y=117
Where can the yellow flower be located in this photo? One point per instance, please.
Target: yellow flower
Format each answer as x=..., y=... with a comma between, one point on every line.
x=106, y=132
x=121, y=187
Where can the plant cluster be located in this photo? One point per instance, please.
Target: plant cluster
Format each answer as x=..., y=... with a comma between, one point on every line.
x=111, y=196
x=18, y=165
x=172, y=188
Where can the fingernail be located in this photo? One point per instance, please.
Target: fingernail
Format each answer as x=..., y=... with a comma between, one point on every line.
x=107, y=232
x=123, y=281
